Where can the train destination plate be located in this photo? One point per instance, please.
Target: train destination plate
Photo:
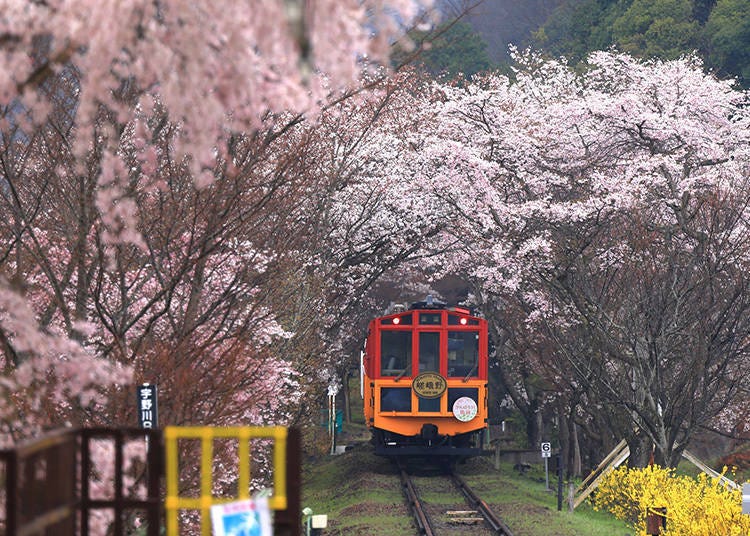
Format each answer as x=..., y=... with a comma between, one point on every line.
x=464, y=409
x=429, y=385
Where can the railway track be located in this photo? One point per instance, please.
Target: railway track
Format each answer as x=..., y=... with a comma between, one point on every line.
x=437, y=519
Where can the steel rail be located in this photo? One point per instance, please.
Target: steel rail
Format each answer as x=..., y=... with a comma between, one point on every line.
x=495, y=523
x=424, y=527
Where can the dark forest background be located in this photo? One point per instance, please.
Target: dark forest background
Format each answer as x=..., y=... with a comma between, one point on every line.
x=718, y=31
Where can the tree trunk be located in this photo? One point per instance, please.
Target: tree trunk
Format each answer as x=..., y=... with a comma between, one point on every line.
x=563, y=434
x=534, y=427
x=641, y=449
x=347, y=398
x=576, y=448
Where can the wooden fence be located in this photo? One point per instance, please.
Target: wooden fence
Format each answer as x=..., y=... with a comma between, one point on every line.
x=53, y=487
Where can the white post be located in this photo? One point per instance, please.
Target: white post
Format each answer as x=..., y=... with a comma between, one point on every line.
x=332, y=390
x=332, y=421
x=362, y=374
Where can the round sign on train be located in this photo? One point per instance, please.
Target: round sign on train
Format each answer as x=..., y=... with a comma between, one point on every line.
x=464, y=409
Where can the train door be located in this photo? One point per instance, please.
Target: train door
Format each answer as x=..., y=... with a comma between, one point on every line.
x=429, y=361
x=429, y=351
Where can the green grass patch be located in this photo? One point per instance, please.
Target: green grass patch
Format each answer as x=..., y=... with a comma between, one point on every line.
x=361, y=495
x=358, y=491
x=528, y=508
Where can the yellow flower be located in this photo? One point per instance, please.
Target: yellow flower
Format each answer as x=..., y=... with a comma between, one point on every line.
x=701, y=506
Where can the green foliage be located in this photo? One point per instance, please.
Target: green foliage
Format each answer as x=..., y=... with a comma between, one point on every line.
x=577, y=28
x=728, y=36
x=451, y=50
x=667, y=29
x=702, y=9
x=516, y=436
x=657, y=28
x=644, y=28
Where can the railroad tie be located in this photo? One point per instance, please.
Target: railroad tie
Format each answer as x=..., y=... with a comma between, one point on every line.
x=464, y=517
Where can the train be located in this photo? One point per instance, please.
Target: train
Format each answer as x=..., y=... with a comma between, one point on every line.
x=424, y=381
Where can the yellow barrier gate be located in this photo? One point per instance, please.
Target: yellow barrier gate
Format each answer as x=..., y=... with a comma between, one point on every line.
x=280, y=501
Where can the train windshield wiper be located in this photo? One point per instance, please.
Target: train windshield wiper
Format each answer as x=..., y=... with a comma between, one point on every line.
x=471, y=372
x=400, y=375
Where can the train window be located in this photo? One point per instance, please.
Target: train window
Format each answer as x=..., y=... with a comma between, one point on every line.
x=432, y=319
x=454, y=393
x=395, y=399
x=404, y=320
x=429, y=352
x=429, y=405
x=455, y=320
x=395, y=353
x=463, y=354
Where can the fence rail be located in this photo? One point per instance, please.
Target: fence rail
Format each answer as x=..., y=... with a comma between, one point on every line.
x=53, y=486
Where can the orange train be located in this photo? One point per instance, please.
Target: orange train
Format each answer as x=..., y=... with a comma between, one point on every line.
x=424, y=381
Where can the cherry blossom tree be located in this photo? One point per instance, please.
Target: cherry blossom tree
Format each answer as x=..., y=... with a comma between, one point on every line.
x=364, y=220
x=110, y=114
x=602, y=217
x=238, y=61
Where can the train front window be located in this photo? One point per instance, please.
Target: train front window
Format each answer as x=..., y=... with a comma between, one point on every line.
x=395, y=353
x=430, y=318
x=463, y=354
x=429, y=352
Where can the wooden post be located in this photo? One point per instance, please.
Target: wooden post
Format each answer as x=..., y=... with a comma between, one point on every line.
x=12, y=520
x=656, y=519
x=154, y=476
x=614, y=459
x=289, y=522
x=571, y=496
x=560, y=467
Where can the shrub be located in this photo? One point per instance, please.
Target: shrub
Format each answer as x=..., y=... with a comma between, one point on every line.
x=700, y=506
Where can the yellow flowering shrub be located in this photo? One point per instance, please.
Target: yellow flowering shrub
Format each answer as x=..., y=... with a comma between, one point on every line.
x=701, y=506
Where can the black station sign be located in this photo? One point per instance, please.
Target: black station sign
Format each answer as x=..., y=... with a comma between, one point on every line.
x=147, y=406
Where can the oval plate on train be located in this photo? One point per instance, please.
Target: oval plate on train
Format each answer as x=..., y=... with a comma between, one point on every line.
x=429, y=385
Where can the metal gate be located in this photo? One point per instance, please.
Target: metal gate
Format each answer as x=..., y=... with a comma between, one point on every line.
x=48, y=487
x=285, y=500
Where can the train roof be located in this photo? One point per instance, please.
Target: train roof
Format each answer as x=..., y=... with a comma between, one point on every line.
x=428, y=303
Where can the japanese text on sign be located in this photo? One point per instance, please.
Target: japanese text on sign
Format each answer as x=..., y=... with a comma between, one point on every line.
x=147, y=406
x=429, y=385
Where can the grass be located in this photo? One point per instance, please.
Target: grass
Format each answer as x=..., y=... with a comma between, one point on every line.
x=529, y=509
x=360, y=494
x=358, y=491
